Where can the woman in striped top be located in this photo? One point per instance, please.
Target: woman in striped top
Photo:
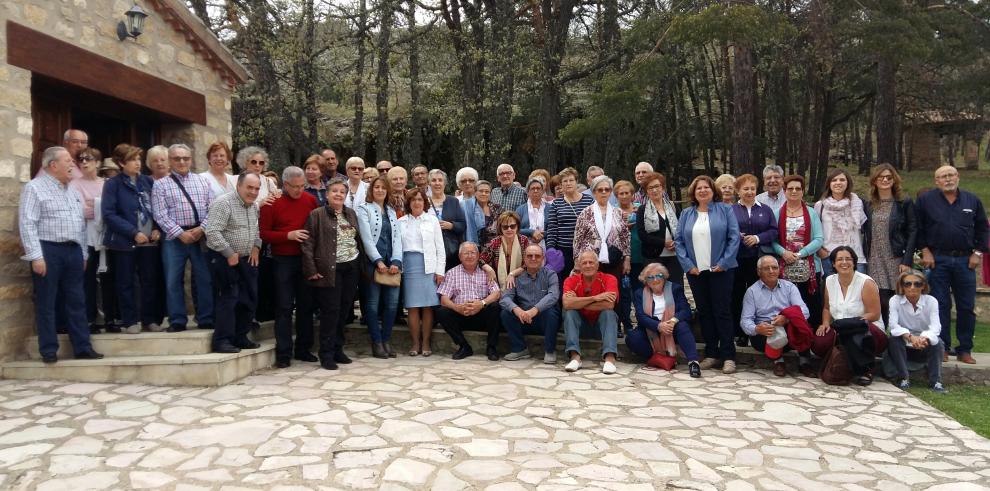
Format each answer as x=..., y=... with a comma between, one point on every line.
x=561, y=218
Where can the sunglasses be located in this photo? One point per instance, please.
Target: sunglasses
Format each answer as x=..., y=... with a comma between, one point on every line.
x=658, y=276
x=885, y=178
x=603, y=190
x=510, y=226
x=356, y=168
x=915, y=284
x=258, y=162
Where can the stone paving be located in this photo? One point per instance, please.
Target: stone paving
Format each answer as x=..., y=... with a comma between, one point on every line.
x=432, y=423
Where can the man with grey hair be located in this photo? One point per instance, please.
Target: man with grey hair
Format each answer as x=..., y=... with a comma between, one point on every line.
x=180, y=203
x=775, y=318
x=508, y=194
x=283, y=225
x=235, y=245
x=593, y=172
x=469, y=297
x=53, y=234
x=773, y=180
x=642, y=170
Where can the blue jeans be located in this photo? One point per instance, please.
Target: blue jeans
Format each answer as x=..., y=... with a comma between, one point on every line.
x=382, y=300
x=544, y=323
x=64, y=277
x=174, y=257
x=712, y=295
x=953, y=274
x=608, y=324
x=144, y=261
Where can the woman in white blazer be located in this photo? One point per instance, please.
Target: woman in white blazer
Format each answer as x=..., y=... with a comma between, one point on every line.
x=423, y=259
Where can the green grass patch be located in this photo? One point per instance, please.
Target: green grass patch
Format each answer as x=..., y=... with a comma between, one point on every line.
x=981, y=338
x=974, y=181
x=964, y=403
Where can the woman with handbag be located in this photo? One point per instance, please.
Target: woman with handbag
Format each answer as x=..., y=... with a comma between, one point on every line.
x=663, y=315
x=382, y=241
x=851, y=310
x=799, y=237
x=450, y=214
x=423, y=260
x=757, y=229
x=331, y=264
x=505, y=252
x=890, y=232
x=656, y=221
x=707, y=242
x=561, y=221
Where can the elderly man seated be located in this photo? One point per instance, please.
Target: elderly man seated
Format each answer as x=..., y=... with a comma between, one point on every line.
x=775, y=318
x=589, y=299
x=532, y=301
x=468, y=295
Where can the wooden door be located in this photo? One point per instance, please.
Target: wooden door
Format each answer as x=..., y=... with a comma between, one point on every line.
x=51, y=119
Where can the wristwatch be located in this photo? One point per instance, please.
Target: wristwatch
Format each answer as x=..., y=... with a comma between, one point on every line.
x=483, y=304
x=978, y=253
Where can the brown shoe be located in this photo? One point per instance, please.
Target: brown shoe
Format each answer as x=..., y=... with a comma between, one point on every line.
x=779, y=368
x=966, y=358
x=945, y=357
x=807, y=370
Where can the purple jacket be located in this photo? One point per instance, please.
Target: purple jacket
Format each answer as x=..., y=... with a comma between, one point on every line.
x=761, y=223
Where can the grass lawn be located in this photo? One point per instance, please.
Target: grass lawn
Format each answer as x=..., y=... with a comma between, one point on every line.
x=964, y=403
x=981, y=338
x=974, y=181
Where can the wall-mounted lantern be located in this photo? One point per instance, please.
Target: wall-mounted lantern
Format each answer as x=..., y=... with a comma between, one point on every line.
x=133, y=26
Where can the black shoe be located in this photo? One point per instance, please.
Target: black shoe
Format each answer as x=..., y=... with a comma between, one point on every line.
x=89, y=355
x=206, y=326
x=226, y=348
x=49, y=359
x=170, y=329
x=694, y=369
x=306, y=356
x=389, y=351
x=742, y=341
x=492, y=355
x=341, y=357
x=61, y=330
x=463, y=352
x=113, y=329
x=246, y=344
x=328, y=365
x=282, y=364
x=378, y=351
x=95, y=329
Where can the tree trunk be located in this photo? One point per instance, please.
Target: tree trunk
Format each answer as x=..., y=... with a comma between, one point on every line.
x=415, y=149
x=387, y=18
x=500, y=75
x=743, y=109
x=782, y=153
x=866, y=160
x=886, y=117
x=362, y=54
x=551, y=21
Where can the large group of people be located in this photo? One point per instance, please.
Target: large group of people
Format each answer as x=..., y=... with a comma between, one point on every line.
x=109, y=243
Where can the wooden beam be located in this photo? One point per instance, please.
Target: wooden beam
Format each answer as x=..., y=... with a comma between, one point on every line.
x=48, y=56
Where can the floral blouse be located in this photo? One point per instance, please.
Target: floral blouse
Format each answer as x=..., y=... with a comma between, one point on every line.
x=586, y=234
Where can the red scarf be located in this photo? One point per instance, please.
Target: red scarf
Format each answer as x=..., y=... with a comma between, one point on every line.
x=782, y=238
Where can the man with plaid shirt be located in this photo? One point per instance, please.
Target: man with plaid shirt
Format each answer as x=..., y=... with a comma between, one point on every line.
x=180, y=203
x=469, y=295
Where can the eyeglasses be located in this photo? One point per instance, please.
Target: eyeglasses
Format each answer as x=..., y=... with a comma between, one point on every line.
x=795, y=190
x=534, y=256
x=356, y=168
x=506, y=173
x=603, y=190
x=86, y=158
x=658, y=276
x=181, y=159
x=885, y=177
x=915, y=284
x=510, y=226
x=258, y=162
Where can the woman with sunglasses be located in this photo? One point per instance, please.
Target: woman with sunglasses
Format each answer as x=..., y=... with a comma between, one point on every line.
x=914, y=324
x=255, y=159
x=601, y=228
x=889, y=234
x=663, y=315
x=89, y=185
x=505, y=252
x=707, y=242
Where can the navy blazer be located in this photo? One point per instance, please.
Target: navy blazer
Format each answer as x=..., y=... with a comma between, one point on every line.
x=682, y=309
x=523, y=212
x=119, y=206
x=724, y=233
x=453, y=213
x=760, y=222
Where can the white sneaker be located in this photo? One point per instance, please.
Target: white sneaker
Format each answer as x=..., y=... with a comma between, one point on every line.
x=155, y=327
x=550, y=358
x=133, y=329
x=729, y=367
x=573, y=365
x=709, y=363
x=608, y=368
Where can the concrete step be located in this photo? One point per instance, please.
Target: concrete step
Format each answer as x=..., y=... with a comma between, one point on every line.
x=210, y=369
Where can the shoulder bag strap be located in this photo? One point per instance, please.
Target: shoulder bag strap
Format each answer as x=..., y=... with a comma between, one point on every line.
x=188, y=198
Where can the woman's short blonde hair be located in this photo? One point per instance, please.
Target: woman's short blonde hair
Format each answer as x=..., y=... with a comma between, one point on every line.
x=899, y=289
x=651, y=269
x=723, y=180
x=623, y=184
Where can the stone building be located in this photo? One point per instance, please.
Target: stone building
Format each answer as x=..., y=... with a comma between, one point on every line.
x=925, y=132
x=62, y=65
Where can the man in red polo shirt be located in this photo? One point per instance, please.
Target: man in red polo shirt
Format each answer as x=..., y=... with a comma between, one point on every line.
x=589, y=299
x=283, y=226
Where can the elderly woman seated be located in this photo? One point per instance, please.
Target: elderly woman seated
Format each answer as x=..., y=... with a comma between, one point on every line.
x=663, y=315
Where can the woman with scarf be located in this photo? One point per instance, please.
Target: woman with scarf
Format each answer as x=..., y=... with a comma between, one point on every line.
x=663, y=315
x=799, y=237
x=504, y=253
x=758, y=229
x=601, y=228
x=656, y=221
x=851, y=312
x=131, y=233
x=707, y=242
x=842, y=215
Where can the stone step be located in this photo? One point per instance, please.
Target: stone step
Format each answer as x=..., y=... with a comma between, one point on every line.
x=210, y=369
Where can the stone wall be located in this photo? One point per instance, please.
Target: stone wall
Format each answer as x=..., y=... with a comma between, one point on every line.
x=90, y=24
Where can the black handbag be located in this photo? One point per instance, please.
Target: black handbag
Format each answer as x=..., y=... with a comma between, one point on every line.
x=614, y=255
x=850, y=326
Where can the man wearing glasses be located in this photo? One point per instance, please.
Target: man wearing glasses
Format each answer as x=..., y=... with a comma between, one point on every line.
x=775, y=318
x=532, y=302
x=508, y=194
x=180, y=203
x=952, y=235
x=773, y=180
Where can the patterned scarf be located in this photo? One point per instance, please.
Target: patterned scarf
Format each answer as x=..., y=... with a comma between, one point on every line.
x=795, y=247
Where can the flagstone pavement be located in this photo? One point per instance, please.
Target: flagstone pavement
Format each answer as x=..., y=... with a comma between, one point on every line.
x=432, y=423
